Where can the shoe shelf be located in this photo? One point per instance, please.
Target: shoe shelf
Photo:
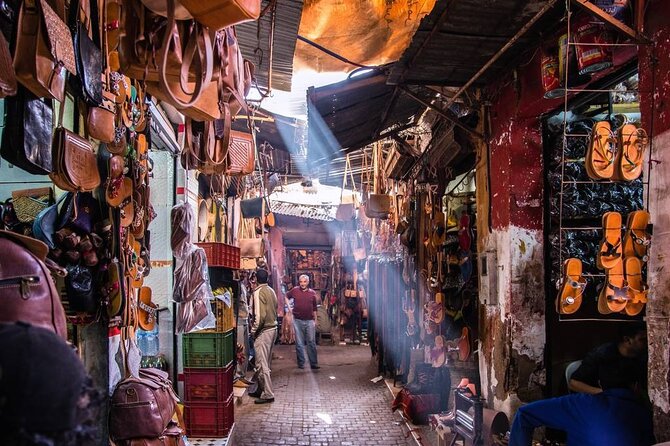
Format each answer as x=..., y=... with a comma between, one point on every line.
x=565, y=200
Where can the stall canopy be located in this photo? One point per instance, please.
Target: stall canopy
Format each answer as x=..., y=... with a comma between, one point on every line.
x=459, y=37
x=356, y=112
x=254, y=38
x=310, y=200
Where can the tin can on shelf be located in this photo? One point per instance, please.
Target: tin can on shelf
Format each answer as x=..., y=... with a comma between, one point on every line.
x=589, y=33
x=551, y=81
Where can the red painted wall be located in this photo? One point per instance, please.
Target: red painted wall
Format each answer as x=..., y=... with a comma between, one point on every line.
x=655, y=69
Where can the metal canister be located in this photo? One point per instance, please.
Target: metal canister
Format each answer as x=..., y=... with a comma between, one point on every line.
x=591, y=58
x=551, y=82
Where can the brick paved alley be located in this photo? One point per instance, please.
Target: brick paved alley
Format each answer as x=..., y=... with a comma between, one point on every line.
x=336, y=405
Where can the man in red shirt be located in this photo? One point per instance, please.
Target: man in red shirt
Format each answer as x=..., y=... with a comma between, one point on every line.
x=304, y=321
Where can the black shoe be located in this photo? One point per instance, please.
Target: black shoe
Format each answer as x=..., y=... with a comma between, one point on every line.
x=264, y=400
x=316, y=367
x=301, y=366
x=256, y=394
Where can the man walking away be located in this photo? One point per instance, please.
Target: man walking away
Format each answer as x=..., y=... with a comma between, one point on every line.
x=304, y=321
x=264, y=329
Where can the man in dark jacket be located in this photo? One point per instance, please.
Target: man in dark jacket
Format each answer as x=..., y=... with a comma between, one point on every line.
x=264, y=330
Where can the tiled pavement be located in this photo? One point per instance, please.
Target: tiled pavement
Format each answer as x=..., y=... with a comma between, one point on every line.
x=336, y=405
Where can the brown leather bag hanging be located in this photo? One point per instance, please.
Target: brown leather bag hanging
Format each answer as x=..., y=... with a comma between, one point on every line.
x=218, y=14
x=378, y=204
x=241, y=154
x=157, y=49
x=75, y=167
x=7, y=75
x=44, y=50
x=203, y=151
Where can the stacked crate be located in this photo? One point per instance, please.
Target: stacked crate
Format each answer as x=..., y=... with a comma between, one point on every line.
x=208, y=376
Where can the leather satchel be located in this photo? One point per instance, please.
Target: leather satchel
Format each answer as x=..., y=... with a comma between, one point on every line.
x=88, y=82
x=28, y=291
x=203, y=151
x=26, y=140
x=378, y=206
x=218, y=14
x=75, y=163
x=241, y=154
x=252, y=248
x=100, y=123
x=156, y=49
x=142, y=407
x=44, y=50
x=252, y=207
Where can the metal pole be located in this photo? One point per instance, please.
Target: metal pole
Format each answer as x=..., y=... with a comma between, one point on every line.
x=502, y=50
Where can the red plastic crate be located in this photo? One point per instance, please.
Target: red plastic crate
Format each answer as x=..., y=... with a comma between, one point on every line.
x=221, y=255
x=209, y=420
x=208, y=385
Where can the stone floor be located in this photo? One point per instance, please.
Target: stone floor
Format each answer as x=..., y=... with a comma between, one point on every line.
x=336, y=405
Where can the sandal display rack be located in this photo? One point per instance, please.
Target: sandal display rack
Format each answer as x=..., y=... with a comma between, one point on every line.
x=585, y=225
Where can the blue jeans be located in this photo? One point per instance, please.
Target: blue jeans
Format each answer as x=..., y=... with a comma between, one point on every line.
x=305, y=330
x=612, y=418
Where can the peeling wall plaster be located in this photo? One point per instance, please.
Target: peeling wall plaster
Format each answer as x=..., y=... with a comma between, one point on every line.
x=512, y=348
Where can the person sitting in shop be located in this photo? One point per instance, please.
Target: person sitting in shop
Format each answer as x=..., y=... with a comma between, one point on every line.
x=615, y=416
x=627, y=356
x=264, y=329
x=304, y=321
x=46, y=396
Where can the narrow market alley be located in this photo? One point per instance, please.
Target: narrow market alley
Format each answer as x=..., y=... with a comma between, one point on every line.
x=335, y=405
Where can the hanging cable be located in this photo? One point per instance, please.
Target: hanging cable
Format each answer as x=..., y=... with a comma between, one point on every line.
x=333, y=54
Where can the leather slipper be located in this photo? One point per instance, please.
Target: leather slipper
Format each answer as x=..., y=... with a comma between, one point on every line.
x=637, y=290
x=631, y=144
x=127, y=210
x=636, y=240
x=614, y=294
x=569, y=298
x=114, y=295
x=601, y=152
x=146, y=310
x=610, y=252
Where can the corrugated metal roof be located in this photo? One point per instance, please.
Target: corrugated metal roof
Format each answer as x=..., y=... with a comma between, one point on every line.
x=323, y=213
x=287, y=22
x=354, y=113
x=459, y=36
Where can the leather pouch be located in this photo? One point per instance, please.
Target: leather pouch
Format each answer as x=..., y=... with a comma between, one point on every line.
x=252, y=207
x=26, y=140
x=100, y=123
x=75, y=163
x=44, y=50
x=88, y=82
x=241, y=154
x=252, y=247
x=378, y=206
x=217, y=14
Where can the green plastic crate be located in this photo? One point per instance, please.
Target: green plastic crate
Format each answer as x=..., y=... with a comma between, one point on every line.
x=208, y=350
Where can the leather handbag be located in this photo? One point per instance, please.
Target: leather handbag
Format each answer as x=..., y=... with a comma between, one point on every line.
x=252, y=207
x=28, y=291
x=241, y=154
x=79, y=289
x=157, y=49
x=378, y=206
x=172, y=436
x=142, y=406
x=252, y=247
x=100, y=123
x=218, y=14
x=7, y=75
x=75, y=165
x=44, y=50
x=88, y=81
x=26, y=140
x=202, y=150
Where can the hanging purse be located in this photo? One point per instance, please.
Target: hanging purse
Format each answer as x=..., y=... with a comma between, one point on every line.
x=218, y=14
x=79, y=290
x=26, y=140
x=241, y=154
x=75, y=167
x=43, y=50
x=88, y=81
x=378, y=206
